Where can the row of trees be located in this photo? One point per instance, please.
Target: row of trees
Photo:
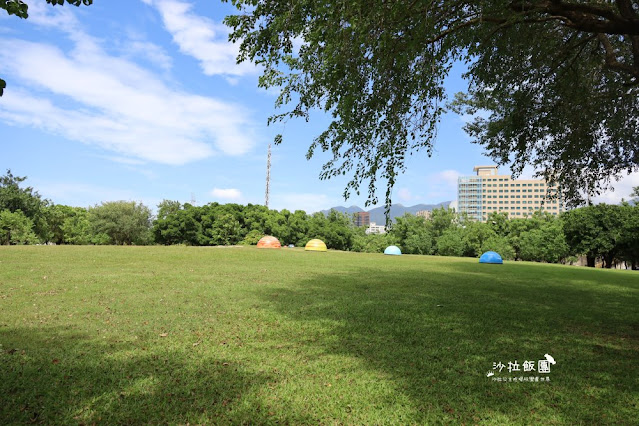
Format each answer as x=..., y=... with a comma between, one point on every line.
x=606, y=232
x=27, y=218
x=216, y=224
x=539, y=238
x=609, y=233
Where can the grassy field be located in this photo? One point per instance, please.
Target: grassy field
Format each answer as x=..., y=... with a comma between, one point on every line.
x=239, y=335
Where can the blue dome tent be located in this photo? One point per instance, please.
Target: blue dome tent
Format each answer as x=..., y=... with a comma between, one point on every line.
x=393, y=250
x=491, y=257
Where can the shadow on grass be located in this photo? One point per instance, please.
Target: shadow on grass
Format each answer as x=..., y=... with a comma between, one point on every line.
x=58, y=376
x=437, y=334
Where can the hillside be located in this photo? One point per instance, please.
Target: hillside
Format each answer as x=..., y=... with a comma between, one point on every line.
x=397, y=210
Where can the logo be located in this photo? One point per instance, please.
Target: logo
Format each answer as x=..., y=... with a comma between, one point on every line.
x=535, y=371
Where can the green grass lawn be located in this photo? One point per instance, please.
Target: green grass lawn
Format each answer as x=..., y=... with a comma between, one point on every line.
x=240, y=335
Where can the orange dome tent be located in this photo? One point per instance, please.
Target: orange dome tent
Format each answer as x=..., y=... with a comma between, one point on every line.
x=315, y=245
x=268, y=242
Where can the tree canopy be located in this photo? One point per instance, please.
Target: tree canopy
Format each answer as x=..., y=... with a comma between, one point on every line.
x=122, y=222
x=556, y=81
x=597, y=231
x=21, y=9
x=24, y=201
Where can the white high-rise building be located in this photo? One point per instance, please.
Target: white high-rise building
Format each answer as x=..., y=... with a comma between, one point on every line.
x=487, y=192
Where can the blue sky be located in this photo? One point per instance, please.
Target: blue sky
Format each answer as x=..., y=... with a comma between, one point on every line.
x=142, y=100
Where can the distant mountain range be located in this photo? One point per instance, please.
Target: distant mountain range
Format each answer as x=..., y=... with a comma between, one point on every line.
x=397, y=210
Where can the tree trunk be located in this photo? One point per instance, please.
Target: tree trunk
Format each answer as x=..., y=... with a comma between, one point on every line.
x=590, y=261
x=607, y=262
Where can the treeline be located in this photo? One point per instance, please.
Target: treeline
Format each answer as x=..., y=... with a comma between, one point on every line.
x=229, y=224
x=608, y=233
x=27, y=218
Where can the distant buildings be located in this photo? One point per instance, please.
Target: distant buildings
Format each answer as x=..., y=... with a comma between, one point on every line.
x=362, y=219
x=487, y=192
x=375, y=229
x=424, y=213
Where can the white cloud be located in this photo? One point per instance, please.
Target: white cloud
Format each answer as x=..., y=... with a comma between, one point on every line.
x=441, y=186
x=201, y=38
x=623, y=188
x=298, y=42
x=53, y=17
x=468, y=118
x=227, y=194
x=154, y=53
x=124, y=160
x=404, y=195
x=89, y=96
x=446, y=177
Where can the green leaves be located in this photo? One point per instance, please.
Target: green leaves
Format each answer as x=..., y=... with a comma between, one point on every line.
x=382, y=104
x=15, y=7
x=597, y=231
x=72, y=2
x=16, y=228
x=549, y=101
x=124, y=222
x=14, y=198
x=20, y=8
x=557, y=83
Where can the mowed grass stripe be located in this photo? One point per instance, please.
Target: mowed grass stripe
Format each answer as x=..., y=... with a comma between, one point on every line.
x=241, y=335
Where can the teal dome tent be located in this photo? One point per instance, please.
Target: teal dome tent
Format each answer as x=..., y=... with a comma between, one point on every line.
x=491, y=257
x=393, y=250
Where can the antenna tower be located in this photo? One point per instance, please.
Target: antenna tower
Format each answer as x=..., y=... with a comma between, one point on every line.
x=268, y=175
